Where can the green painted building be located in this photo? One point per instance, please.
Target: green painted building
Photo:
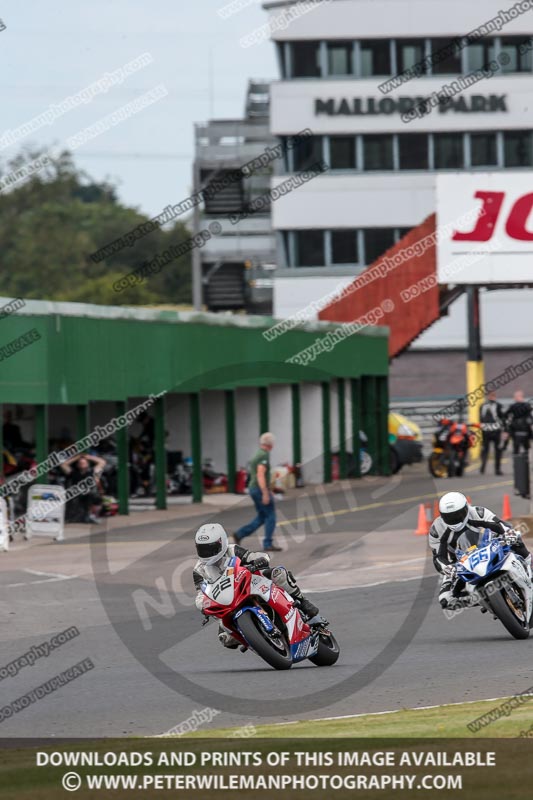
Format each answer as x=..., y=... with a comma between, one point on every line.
x=59, y=355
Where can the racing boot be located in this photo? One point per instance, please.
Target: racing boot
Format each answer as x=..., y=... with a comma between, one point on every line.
x=446, y=593
x=226, y=639
x=285, y=580
x=307, y=608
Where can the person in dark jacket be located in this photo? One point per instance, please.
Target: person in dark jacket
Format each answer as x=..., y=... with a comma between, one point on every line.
x=492, y=426
x=519, y=419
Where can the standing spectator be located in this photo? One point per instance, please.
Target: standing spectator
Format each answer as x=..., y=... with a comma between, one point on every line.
x=492, y=424
x=76, y=469
x=519, y=418
x=262, y=496
x=148, y=428
x=11, y=433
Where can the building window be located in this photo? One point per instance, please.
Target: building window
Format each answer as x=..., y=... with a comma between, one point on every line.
x=483, y=150
x=445, y=56
x=340, y=58
x=344, y=247
x=307, y=152
x=413, y=150
x=377, y=240
x=342, y=152
x=280, y=48
x=410, y=52
x=310, y=248
x=518, y=50
x=375, y=57
x=401, y=232
x=518, y=149
x=479, y=53
x=377, y=152
x=306, y=60
x=448, y=150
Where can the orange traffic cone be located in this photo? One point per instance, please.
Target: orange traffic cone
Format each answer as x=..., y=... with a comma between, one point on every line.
x=506, y=513
x=469, y=500
x=423, y=524
x=436, y=511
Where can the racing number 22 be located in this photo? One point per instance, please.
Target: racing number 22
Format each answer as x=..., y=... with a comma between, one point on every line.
x=515, y=226
x=219, y=587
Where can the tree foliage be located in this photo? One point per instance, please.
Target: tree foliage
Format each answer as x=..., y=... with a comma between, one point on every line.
x=52, y=222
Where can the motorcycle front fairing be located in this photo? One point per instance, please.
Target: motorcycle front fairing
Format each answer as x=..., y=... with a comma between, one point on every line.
x=232, y=594
x=303, y=642
x=493, y=559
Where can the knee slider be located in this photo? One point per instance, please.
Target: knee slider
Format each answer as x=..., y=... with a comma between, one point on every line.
x=284, y=579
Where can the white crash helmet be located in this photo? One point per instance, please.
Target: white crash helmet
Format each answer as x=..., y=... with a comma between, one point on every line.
x=453, y=508
x=211, y=543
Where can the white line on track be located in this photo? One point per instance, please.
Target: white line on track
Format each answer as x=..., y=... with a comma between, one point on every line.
x=361, y=585
x=48, y=577
x=395, y=711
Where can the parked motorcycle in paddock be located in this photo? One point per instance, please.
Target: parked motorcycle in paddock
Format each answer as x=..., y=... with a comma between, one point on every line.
x=451, y=443
x=498, y=580
x=264, y=618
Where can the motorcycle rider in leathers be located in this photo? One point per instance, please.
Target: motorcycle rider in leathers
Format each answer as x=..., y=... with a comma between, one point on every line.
x=459, y=519
x=214, y=551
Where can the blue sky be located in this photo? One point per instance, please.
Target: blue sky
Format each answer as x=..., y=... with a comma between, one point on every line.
x=54, y=49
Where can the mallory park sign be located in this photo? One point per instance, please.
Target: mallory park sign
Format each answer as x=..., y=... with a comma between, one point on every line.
x=372, y=106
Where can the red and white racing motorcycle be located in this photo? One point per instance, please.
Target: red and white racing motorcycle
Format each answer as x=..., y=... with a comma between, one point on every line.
x=264, y=618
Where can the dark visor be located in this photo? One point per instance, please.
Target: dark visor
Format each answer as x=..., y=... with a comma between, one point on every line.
x=454, y=517
x=210, y=549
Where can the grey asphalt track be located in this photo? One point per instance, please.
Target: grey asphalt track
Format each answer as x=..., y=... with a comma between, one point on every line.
x=393, y=654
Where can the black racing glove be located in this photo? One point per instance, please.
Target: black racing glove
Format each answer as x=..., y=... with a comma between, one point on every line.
x=259, y=563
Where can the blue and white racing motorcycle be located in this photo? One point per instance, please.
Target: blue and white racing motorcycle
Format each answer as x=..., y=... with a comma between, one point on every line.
x=498, y=580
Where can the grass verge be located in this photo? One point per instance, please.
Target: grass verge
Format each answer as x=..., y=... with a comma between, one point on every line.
x=442, y=722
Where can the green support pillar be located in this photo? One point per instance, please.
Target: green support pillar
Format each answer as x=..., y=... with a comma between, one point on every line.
x=1, y=441
x=82, y=421
x=231, y=448
x=160, y=454
x=355, y=388
x=122, y=452
x=326, y=430
x=263, y=409
x=383, y=425
x=370, y=419
x=41, y=438
x=196, y=447
x=341, y=398
x=296, y=424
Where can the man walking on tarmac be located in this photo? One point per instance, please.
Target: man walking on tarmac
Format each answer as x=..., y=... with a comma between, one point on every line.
x=259, y=489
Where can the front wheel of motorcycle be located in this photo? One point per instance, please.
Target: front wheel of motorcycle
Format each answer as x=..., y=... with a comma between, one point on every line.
x=510, y=615
x=437, y=465
x=328, y=651
x=274, y=650
x=366, y=462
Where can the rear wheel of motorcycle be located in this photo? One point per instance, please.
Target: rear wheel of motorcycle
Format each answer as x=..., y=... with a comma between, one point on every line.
x=259, y=640
x=506, y=612
x=437, y=465
x=328, y=651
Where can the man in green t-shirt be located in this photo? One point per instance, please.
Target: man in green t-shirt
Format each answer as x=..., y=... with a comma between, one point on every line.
x=259, y=488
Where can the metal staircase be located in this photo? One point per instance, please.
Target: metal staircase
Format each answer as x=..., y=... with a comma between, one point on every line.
x=406, y=320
